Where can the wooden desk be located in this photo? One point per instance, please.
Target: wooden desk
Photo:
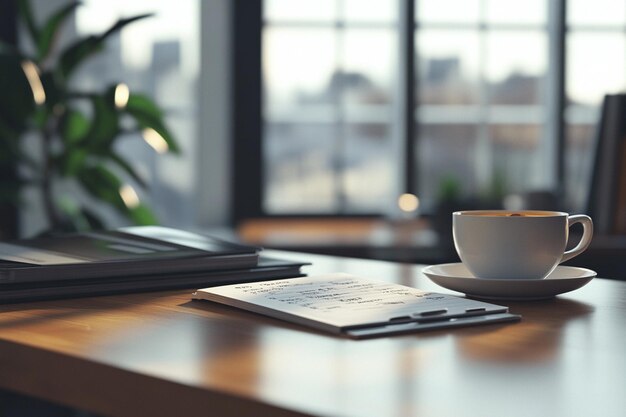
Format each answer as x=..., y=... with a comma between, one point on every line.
x=160, y=354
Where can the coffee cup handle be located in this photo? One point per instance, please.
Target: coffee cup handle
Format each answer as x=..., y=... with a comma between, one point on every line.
x=585, y=240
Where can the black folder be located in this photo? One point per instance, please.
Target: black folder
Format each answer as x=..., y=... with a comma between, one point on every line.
x=266, y=269
x=125, y=252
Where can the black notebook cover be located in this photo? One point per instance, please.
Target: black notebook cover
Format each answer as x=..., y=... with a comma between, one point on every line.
x=123, y=252
x=267, y=269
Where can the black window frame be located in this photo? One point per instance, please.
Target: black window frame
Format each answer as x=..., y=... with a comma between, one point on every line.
x=8, y=210
x=247, y=115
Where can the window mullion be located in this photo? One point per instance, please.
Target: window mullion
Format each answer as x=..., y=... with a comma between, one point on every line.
x=407, y=173
x=556, y=90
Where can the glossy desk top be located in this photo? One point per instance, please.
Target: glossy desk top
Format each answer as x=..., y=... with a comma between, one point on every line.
x=161, y=354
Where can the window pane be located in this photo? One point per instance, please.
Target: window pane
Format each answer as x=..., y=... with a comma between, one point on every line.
x=597, y=12
x=481, y=102
x=516, y=66
x=298, y=65
x=311, y=11
x=579, y=152
x=299, y=168
x=457, y=93
x=521, y=161
x=453, y=11
x=380, y=11
x=485, y=164
x=298, y=69
x=368, y=167
x=448, y=66
x=322, y=168
x=516, y=12
x=446, y=154
x=328, y=141
x=370, y=60
x=367, y=159
x=595, y=66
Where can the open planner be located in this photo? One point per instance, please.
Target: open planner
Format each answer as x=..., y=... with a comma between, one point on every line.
x=355, y=306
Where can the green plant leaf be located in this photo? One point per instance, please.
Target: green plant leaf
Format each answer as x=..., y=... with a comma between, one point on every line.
x=79, y=218
x=104, y=125
x=80, y=50
x=73, y=161
x=140, y=103
x=102, y=184
x=74, y=127
x=40, y=117
x=73, y=219
x=123, y=22
x=147, y=114
x=27, y=14
x=76, y=53
x=92, y=219
x=449, y=189
x=51, y=29
x=142, y=215
x=128, y=168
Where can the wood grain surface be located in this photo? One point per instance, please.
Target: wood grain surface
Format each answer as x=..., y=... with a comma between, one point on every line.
x=161, y=354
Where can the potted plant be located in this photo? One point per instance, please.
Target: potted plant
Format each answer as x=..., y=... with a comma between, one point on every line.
x=76, y=130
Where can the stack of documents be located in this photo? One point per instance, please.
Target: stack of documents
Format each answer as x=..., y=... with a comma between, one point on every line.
x=128, y=259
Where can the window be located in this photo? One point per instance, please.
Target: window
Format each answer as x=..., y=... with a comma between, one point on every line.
x=504, y=94
x=482, y=97
x=595, y=65
x=329, y=73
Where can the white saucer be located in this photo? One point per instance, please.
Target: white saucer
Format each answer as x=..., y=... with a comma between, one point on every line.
x=456, y=277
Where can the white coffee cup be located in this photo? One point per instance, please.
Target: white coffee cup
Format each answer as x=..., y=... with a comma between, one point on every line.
x=501, y=244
